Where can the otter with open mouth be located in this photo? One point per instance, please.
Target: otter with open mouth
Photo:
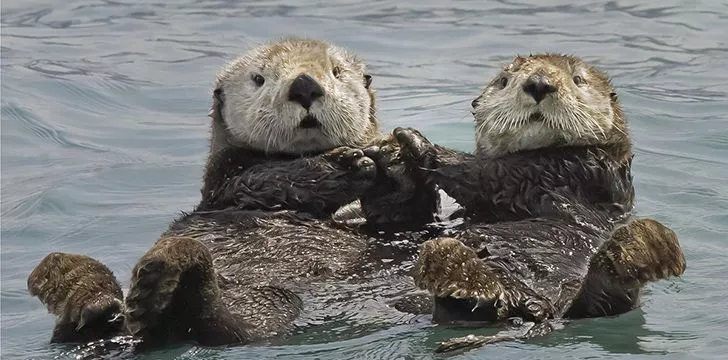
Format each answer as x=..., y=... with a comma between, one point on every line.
x=294, y=138
x=548, y=196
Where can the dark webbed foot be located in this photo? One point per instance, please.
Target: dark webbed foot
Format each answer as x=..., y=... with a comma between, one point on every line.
x=641, y=251
x=82, y=292
x=467, y=289
x=173, y=286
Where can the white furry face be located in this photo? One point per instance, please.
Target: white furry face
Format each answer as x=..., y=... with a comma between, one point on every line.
x=541, y=101
x=260, y=112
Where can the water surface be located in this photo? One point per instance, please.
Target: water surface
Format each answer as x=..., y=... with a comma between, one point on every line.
x=104, y=136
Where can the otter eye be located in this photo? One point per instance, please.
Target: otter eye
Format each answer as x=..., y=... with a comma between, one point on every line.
x=578, y=80
x=503, y=82
x=367, y=80
x=336, y=71
x=258, y=79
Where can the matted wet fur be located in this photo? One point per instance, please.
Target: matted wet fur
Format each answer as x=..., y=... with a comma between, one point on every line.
x=548, y=195
x=294, y=138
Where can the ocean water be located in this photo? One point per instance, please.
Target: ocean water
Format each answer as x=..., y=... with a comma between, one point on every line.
x=104, y=136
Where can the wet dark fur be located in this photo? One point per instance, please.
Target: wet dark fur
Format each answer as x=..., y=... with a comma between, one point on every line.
x=549, y=238
x=545, y=233
x=230, y=271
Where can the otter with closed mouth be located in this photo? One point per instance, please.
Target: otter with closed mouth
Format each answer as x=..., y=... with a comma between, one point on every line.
x=294, y=138
x=548, y=196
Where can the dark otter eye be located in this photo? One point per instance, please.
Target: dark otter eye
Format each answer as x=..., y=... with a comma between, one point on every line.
x=258, y=79
x=503, y=82
x=336, y=71
x=367, y=80
x=578, y=80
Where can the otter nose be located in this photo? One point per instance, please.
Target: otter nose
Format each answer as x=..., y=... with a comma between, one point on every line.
x=538, y=87
x=305, y=90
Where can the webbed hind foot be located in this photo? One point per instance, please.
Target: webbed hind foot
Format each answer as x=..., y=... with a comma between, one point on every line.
x=639, y=252
x=172, y=286
x=643, y=250
x=83, y=294
x=468, y=289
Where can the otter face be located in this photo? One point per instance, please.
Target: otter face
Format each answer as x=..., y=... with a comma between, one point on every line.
x=295, y=96
x=546, y=100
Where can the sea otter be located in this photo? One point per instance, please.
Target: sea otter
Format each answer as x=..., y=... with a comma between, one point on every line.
x=548, y=194
x=294, y=138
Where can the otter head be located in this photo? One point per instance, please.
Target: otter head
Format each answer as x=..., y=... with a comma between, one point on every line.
x=293, y=96
x=547, y=100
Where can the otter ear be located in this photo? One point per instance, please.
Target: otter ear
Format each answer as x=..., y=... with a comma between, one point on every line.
x=218, y=98
x=367, y=80
x=613, y=96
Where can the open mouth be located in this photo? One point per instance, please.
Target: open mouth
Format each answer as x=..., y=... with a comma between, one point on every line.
x=537, y=117
x=309, y=122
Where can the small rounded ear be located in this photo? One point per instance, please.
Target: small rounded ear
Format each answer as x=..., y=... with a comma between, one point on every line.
x=367, y=80
x=218, y=98
x=613, y=96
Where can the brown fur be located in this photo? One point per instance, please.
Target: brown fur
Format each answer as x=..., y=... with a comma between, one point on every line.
x=546, y=198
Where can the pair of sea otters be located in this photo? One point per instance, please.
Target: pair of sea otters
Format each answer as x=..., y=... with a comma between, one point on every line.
x=296, y=157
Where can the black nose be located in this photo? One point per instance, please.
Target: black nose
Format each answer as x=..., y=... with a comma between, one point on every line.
x=305, y=90
x=538, y=87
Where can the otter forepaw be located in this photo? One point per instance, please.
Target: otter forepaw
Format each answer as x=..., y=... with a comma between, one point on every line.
x=156, y=278
x=643, y=250
x=415, y=147
x=354, y=160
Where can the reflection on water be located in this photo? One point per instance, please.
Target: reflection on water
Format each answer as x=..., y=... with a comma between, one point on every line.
x=104, y=133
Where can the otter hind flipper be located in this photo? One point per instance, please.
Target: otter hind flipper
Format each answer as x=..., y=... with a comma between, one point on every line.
x=466, y=287
x=83, y=294
x=639, y=252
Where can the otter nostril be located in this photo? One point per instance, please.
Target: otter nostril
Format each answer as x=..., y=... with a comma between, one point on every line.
x=538, y=87
x=304, y=90
x=474, y=103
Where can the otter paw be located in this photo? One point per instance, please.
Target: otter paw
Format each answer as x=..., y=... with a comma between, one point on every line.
x=353, y=160
x=643, y=250
x=384, y=155
x=448, y=268
x=415, y=147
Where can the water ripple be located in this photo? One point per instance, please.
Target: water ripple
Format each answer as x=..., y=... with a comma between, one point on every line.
x=104, y=135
